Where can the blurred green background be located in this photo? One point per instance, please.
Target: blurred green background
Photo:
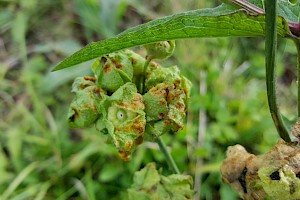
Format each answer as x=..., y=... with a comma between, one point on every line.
x=42, y=158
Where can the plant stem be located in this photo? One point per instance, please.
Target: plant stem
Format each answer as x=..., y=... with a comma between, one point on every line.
x=159, y=140
x=167, y=155
x=297, y=43
x=201, y=134
x=148, y=60
x=271, y=45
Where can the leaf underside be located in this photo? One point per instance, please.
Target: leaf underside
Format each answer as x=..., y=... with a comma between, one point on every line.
x=222, y=21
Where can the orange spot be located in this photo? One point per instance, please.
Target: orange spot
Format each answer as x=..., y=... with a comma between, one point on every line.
x=138, y=127
x=107, y=68
x=124, y=155
x=118, y=65
x=89, y=78
x=163, y=102
x=128, y=145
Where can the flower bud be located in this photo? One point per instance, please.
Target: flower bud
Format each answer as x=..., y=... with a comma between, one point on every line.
x=169, y=75
x=165, y=107
x=124, y=119
x=160, y=50
x=83, y=111
x=114, y=72
x=81, y=83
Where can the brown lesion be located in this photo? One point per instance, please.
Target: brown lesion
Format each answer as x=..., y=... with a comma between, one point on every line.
x=124, y=155
x=138, y=126
x=180, y=106
x=118, y=65
x=128, y=145
x=296, y=129
x=107, y=68
x=98, y=91
x=163, y=102
x=136, y=103
x=89, y=78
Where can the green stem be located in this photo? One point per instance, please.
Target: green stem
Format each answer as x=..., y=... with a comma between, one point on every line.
x=167, y=155
x=271, y=45
x=159, y=140
x=297, y=43
x=148, y=60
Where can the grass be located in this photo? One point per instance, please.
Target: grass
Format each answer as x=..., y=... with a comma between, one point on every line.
x=41, y=158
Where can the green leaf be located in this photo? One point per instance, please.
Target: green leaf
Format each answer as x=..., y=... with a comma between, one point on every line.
x=149, y=184
x=289, y=11
x=223, y=21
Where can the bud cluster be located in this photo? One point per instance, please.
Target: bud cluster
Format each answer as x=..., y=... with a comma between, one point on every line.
x=113, y=101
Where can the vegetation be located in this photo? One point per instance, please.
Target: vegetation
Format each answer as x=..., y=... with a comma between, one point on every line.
x=42, y=158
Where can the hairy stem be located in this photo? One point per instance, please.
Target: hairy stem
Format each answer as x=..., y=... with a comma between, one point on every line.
x=271, y=45
x=167, y=155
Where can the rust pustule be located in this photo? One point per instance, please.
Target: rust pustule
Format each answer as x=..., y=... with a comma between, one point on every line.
x=118, y=65
x=128, y=145
x=90, y=78
x=124, y=155
x=166, y=123
x=163, y=102
x=138, y=127
x=180, y=105
x=107, y=68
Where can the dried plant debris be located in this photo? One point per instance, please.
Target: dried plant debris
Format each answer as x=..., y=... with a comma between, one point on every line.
x=296, y=129
x=112, y=101
x=149, y=184
x=274, y=175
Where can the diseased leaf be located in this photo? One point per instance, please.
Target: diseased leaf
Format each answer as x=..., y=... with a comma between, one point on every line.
x=223, y=21
x=149, y=184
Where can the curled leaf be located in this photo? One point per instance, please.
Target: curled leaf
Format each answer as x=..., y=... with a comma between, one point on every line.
x=166, y=100
x=149, y=184
x=124, y=119
x=115, y=71
x=83, y=110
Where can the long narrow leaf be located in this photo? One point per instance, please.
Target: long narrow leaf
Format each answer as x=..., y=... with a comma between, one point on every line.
x=18, y=180
x=223, y=21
